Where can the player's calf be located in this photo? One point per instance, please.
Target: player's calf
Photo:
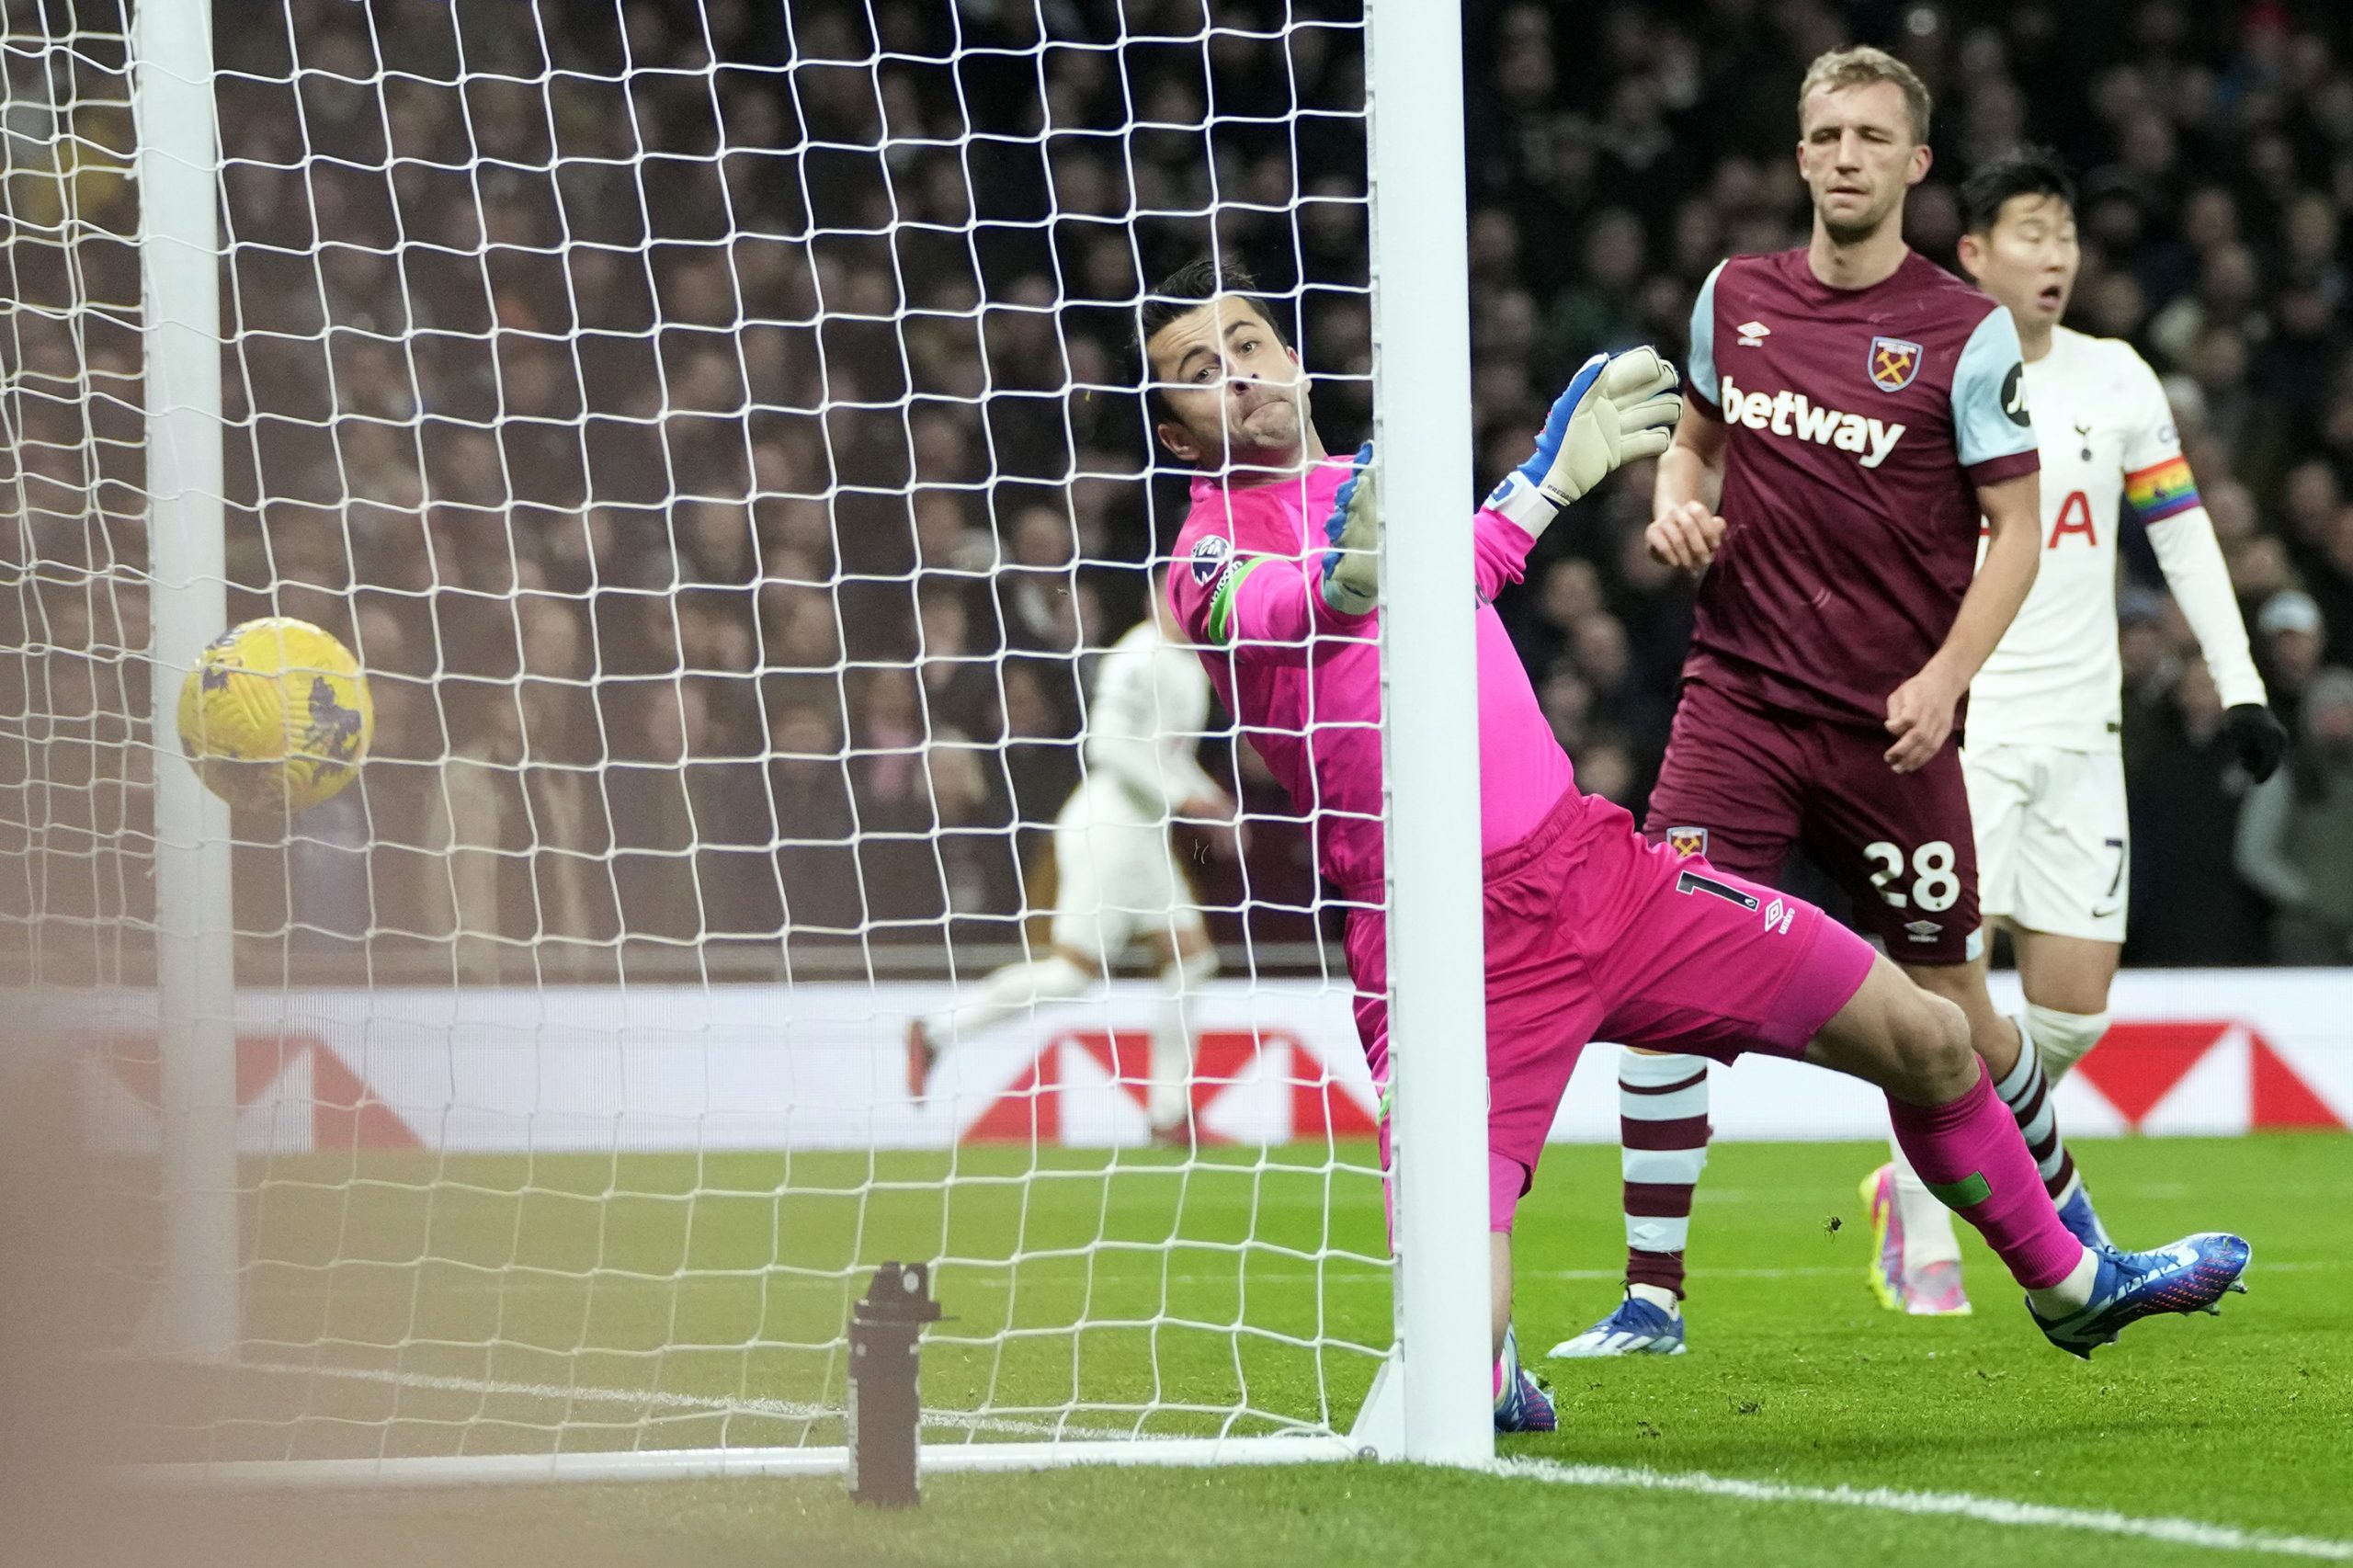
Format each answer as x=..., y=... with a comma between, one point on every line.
x=2026, y=1090
x=1949, y=1121
x=1969, y=1151
x=2022, y=1064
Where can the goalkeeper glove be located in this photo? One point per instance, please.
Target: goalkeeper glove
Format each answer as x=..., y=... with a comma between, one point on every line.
x=2256, y=735
x=1617, y=407
x=1352, y=566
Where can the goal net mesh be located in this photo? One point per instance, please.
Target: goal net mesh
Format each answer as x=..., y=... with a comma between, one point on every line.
x=712, y=427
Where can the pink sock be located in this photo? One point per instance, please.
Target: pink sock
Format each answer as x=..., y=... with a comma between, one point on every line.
x=1973, y=1157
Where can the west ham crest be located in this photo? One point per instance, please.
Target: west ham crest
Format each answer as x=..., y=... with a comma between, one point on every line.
x=1687, y=841
x=1894, y=363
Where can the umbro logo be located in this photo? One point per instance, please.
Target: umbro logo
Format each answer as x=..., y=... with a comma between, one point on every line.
x=1752, y=332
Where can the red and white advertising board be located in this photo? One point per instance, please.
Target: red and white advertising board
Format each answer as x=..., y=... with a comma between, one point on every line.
x=821, y=1066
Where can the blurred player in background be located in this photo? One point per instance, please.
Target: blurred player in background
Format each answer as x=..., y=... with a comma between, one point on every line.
x=2043, y=757
x=1852, y=410
x=1117, y=884
x=1589, y=930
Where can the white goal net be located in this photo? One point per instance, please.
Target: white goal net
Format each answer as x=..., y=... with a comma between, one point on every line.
x=712, y=426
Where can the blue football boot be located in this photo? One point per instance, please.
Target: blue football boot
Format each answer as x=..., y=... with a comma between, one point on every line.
x=1636, y=1328
x=2192, y=1275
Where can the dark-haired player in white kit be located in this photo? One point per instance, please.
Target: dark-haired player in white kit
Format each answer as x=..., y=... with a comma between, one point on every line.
x=1118, y=887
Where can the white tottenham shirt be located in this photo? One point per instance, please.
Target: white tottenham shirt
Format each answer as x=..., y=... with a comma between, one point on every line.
x=1143, y=721
x=2106, y=435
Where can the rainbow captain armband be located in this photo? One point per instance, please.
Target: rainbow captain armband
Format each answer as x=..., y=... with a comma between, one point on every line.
x=2160, y=491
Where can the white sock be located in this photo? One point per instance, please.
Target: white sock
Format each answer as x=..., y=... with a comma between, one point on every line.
x=2060, y=1039
x=1013, y=989
x=1658, y=1296
x=1172, y=1041
x=1929, y=1235
x=2072, y=1294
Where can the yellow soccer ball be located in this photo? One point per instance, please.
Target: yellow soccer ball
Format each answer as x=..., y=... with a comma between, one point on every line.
x=275, y=715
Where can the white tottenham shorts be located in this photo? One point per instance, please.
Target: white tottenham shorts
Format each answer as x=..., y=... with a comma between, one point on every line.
x=2053, y=839
x=1117, y=881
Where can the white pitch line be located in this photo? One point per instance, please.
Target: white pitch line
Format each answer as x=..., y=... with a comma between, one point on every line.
x=1818, y=1270
x=992, y=1278
x=1880, y=1499
x=1957, y=1504
x=661, y=1398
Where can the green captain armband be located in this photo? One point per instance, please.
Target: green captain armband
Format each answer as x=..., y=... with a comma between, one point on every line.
x=1222, y=598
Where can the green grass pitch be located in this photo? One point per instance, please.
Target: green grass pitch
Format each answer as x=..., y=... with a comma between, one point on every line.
x=468, y=1303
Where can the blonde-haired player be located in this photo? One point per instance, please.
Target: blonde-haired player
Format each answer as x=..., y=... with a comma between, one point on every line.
x=1117, y=885
x=2042, y=760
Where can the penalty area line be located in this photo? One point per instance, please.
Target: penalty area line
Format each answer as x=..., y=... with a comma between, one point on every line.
x=1953, y=1504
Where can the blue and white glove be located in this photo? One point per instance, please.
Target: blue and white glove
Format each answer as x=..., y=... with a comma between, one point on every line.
x=1618, y=408
x=1352, y=566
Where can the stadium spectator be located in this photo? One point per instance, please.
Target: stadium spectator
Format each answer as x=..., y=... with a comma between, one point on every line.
x=2295, y=837
x=817, y=868
x=2185, y=787
x=733, y=888
x=2331, y=581
x=2291, y=639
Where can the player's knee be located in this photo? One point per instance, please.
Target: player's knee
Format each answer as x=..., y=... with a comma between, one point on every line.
x=1934, y=1044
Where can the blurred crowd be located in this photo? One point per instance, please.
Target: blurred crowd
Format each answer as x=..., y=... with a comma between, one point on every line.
x=712, y=423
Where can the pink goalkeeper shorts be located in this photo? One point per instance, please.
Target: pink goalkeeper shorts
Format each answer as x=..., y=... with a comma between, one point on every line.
x=1594, y=934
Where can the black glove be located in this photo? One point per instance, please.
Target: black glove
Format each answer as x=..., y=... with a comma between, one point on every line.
x=2257, y=737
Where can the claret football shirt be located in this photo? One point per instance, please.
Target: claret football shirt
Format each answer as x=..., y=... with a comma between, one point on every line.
x=1861, y=422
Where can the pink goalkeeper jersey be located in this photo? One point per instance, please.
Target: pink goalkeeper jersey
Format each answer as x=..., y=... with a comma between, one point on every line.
x=1303, y=683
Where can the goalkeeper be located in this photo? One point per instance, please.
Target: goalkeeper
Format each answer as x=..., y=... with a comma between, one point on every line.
x=1590, y=931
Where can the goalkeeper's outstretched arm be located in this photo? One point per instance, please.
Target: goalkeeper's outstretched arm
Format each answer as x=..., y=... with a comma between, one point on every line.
x=1617, y=408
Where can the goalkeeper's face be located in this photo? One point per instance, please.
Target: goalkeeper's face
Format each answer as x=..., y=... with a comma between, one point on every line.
x=1234, y=389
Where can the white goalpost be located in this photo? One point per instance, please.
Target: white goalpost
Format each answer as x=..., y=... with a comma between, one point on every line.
x=194, y=1312
x=709, y=425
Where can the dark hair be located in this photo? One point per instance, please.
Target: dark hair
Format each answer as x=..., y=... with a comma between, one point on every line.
x=2021, y=171
x=1187, y=289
